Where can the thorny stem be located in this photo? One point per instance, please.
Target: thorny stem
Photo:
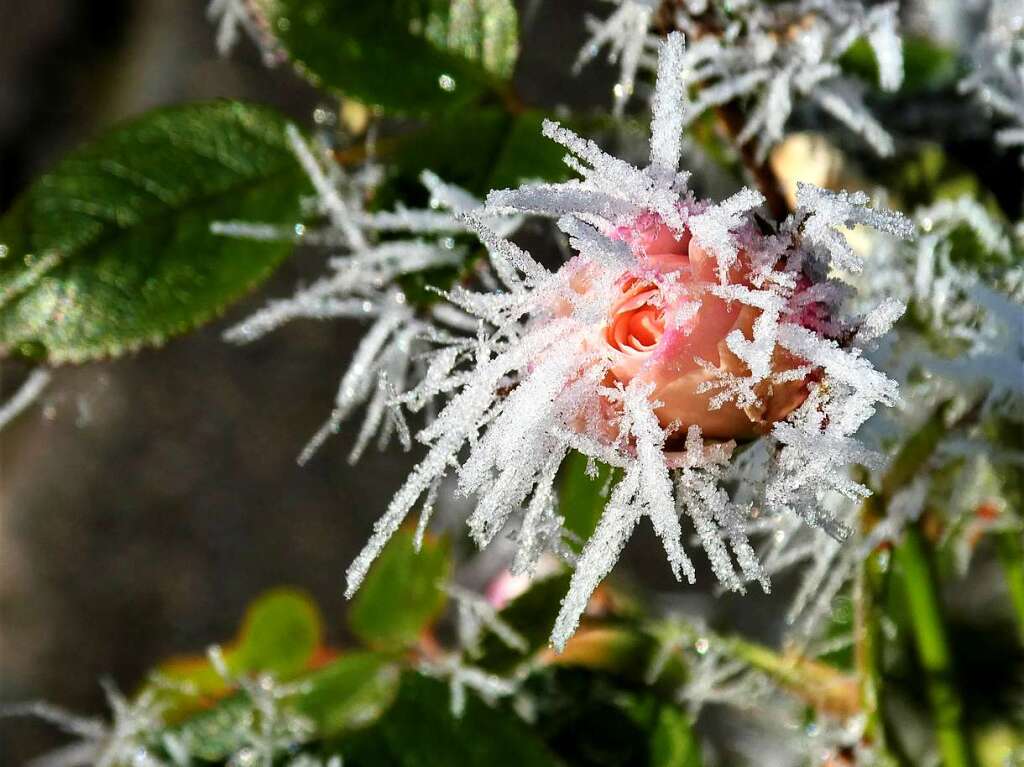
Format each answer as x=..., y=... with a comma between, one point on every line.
x=761, y=171
x=933, y=647
x=1011, y=556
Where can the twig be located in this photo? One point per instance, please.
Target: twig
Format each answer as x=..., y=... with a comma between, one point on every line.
x=731, y=118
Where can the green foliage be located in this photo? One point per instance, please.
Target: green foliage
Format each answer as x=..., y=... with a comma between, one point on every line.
x=928, y=175
x=673, y=743
x=341, y=697
x=532, y=614
x=927, y=66
x=401, y=595
x=280, y=634
x=112, y=249
x=582, y=498
x=420, y=731
x=350, y=692
x=598, y=719
x=405, y=55
x=479, y=149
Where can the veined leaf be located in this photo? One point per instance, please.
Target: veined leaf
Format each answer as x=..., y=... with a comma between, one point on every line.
x=112, y=250
x=406, y=55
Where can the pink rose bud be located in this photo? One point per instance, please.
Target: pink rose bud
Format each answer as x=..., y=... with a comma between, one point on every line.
x=667, y=328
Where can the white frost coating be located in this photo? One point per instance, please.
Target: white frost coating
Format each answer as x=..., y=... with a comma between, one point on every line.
x=523, y=381
x=235, y=16
x=715, y=228
x=626, y=34
x=361, y=285
x=475, y=614
x=997, y=76
x=777, y=53
x=124, y=740
x=825, y=211
x=668, y=106
x=22, y=399
x=514, y=365
x=332, y=203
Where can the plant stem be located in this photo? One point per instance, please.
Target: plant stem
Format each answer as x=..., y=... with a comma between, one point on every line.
x=823, y=687
x=761, y=171
x=933, y=647
x=1011, y=556
x=867, y=633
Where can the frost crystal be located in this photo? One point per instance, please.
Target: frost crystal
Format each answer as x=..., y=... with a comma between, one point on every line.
x=361, y=286
x=775, y=53
x=22, y=399
x=595, y=357
x=997, y=77
x=125, y=740
x=235, y=16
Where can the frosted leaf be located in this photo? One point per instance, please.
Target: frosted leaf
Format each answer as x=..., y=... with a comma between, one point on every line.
x=626, y=34
x=277, y=729
x=826, y=211
x=778, y=54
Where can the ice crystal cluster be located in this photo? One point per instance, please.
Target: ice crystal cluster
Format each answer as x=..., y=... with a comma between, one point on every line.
x=997, y=76
x=964, y=347
x=774, y=54
x=267, y=733
x=679, y=329
x=236, y=17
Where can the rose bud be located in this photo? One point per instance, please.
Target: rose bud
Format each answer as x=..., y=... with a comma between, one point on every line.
x=666, y=327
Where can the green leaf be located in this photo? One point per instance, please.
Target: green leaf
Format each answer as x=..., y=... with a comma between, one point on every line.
x=526, y=155
x=347, y=694
x=406, y=55
x=420, y=731
x=350, y=692
x=479, y=149
x=280, y=635
x=401, y=595
x=582, y=497
x=673, y=742
x=926, y=66
x=532, y=614
x=112, y=250
x=281, y=632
